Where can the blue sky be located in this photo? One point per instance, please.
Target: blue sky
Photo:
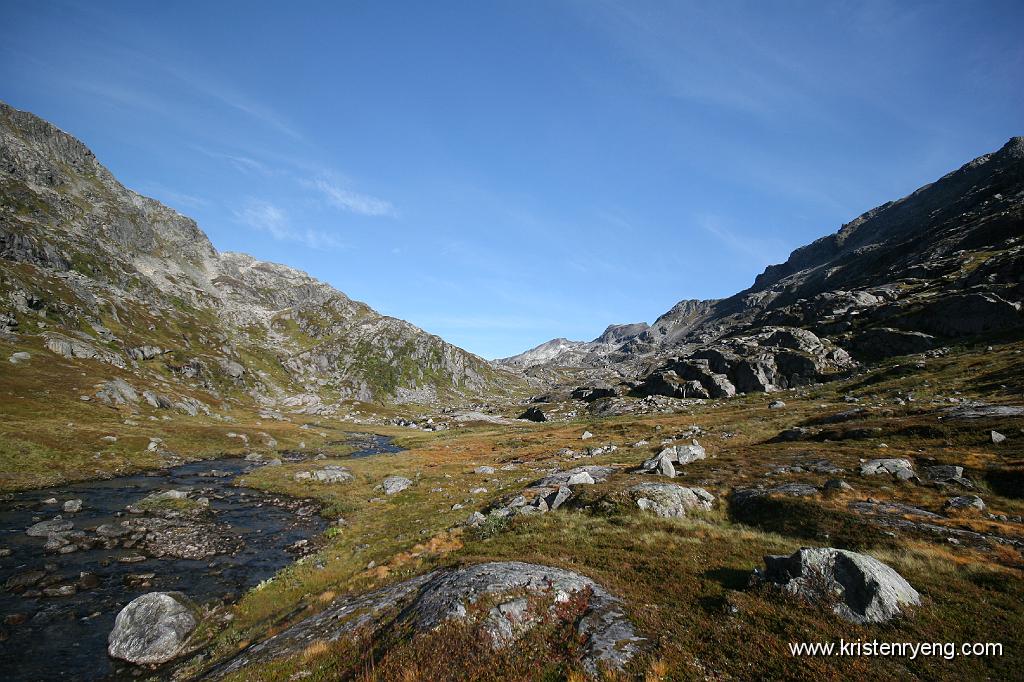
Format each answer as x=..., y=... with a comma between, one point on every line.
x=502, y=173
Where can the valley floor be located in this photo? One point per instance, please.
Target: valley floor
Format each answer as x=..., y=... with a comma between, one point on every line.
x=684, y=581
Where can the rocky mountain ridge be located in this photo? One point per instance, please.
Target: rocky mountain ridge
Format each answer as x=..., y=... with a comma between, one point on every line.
x=98, y=272
x=583, y=353
x=942, y=264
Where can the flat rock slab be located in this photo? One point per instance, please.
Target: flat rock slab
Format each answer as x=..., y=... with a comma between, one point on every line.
x=427, y=601
x=983, y=412
x=45, y=528
x=747, y=495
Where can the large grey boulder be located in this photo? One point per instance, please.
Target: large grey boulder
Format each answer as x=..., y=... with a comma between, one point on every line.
x=947, y=473
x=68, y=347
x=865, y=589
x=145, y=352
x=428, y=601
x=675, y=454
x=117, y=392
x=394, y=484
x=669, y=500
x=899, y=467
x=152, y=629
x=964, y=505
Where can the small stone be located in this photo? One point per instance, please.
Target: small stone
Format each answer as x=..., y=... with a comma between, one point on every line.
x=72, y=506
x=484, y=470
x=997, y=437
x=60, y=591
x=776, y=405
x=88, y=581
x=586, y=435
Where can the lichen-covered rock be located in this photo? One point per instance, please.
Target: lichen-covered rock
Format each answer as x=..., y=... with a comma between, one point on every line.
x=68, y=347
x=394, y=484
x=899, y=467
x=664, y=462
x=117, y=392
x=427, y=601
x=152, y=629
x=865, y=590
x=669, y=500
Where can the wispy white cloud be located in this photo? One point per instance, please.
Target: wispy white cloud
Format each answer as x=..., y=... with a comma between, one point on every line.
x=241, y=162
x=173, y=197
x=113, y=93
x=759, y=250
x=210, y=87
x=339, y=196
x=268, y=218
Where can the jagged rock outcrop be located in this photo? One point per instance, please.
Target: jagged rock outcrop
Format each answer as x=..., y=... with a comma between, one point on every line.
x=773, y=358
x=563, y=352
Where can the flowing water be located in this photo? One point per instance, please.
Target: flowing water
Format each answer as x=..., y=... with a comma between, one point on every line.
x=65, y=637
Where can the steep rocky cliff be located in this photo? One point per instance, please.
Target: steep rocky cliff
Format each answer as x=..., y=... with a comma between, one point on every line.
x=91, y=270
x=943, y=264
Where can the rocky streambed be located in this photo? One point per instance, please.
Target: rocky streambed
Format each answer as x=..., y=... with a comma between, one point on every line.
x=72, y=556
